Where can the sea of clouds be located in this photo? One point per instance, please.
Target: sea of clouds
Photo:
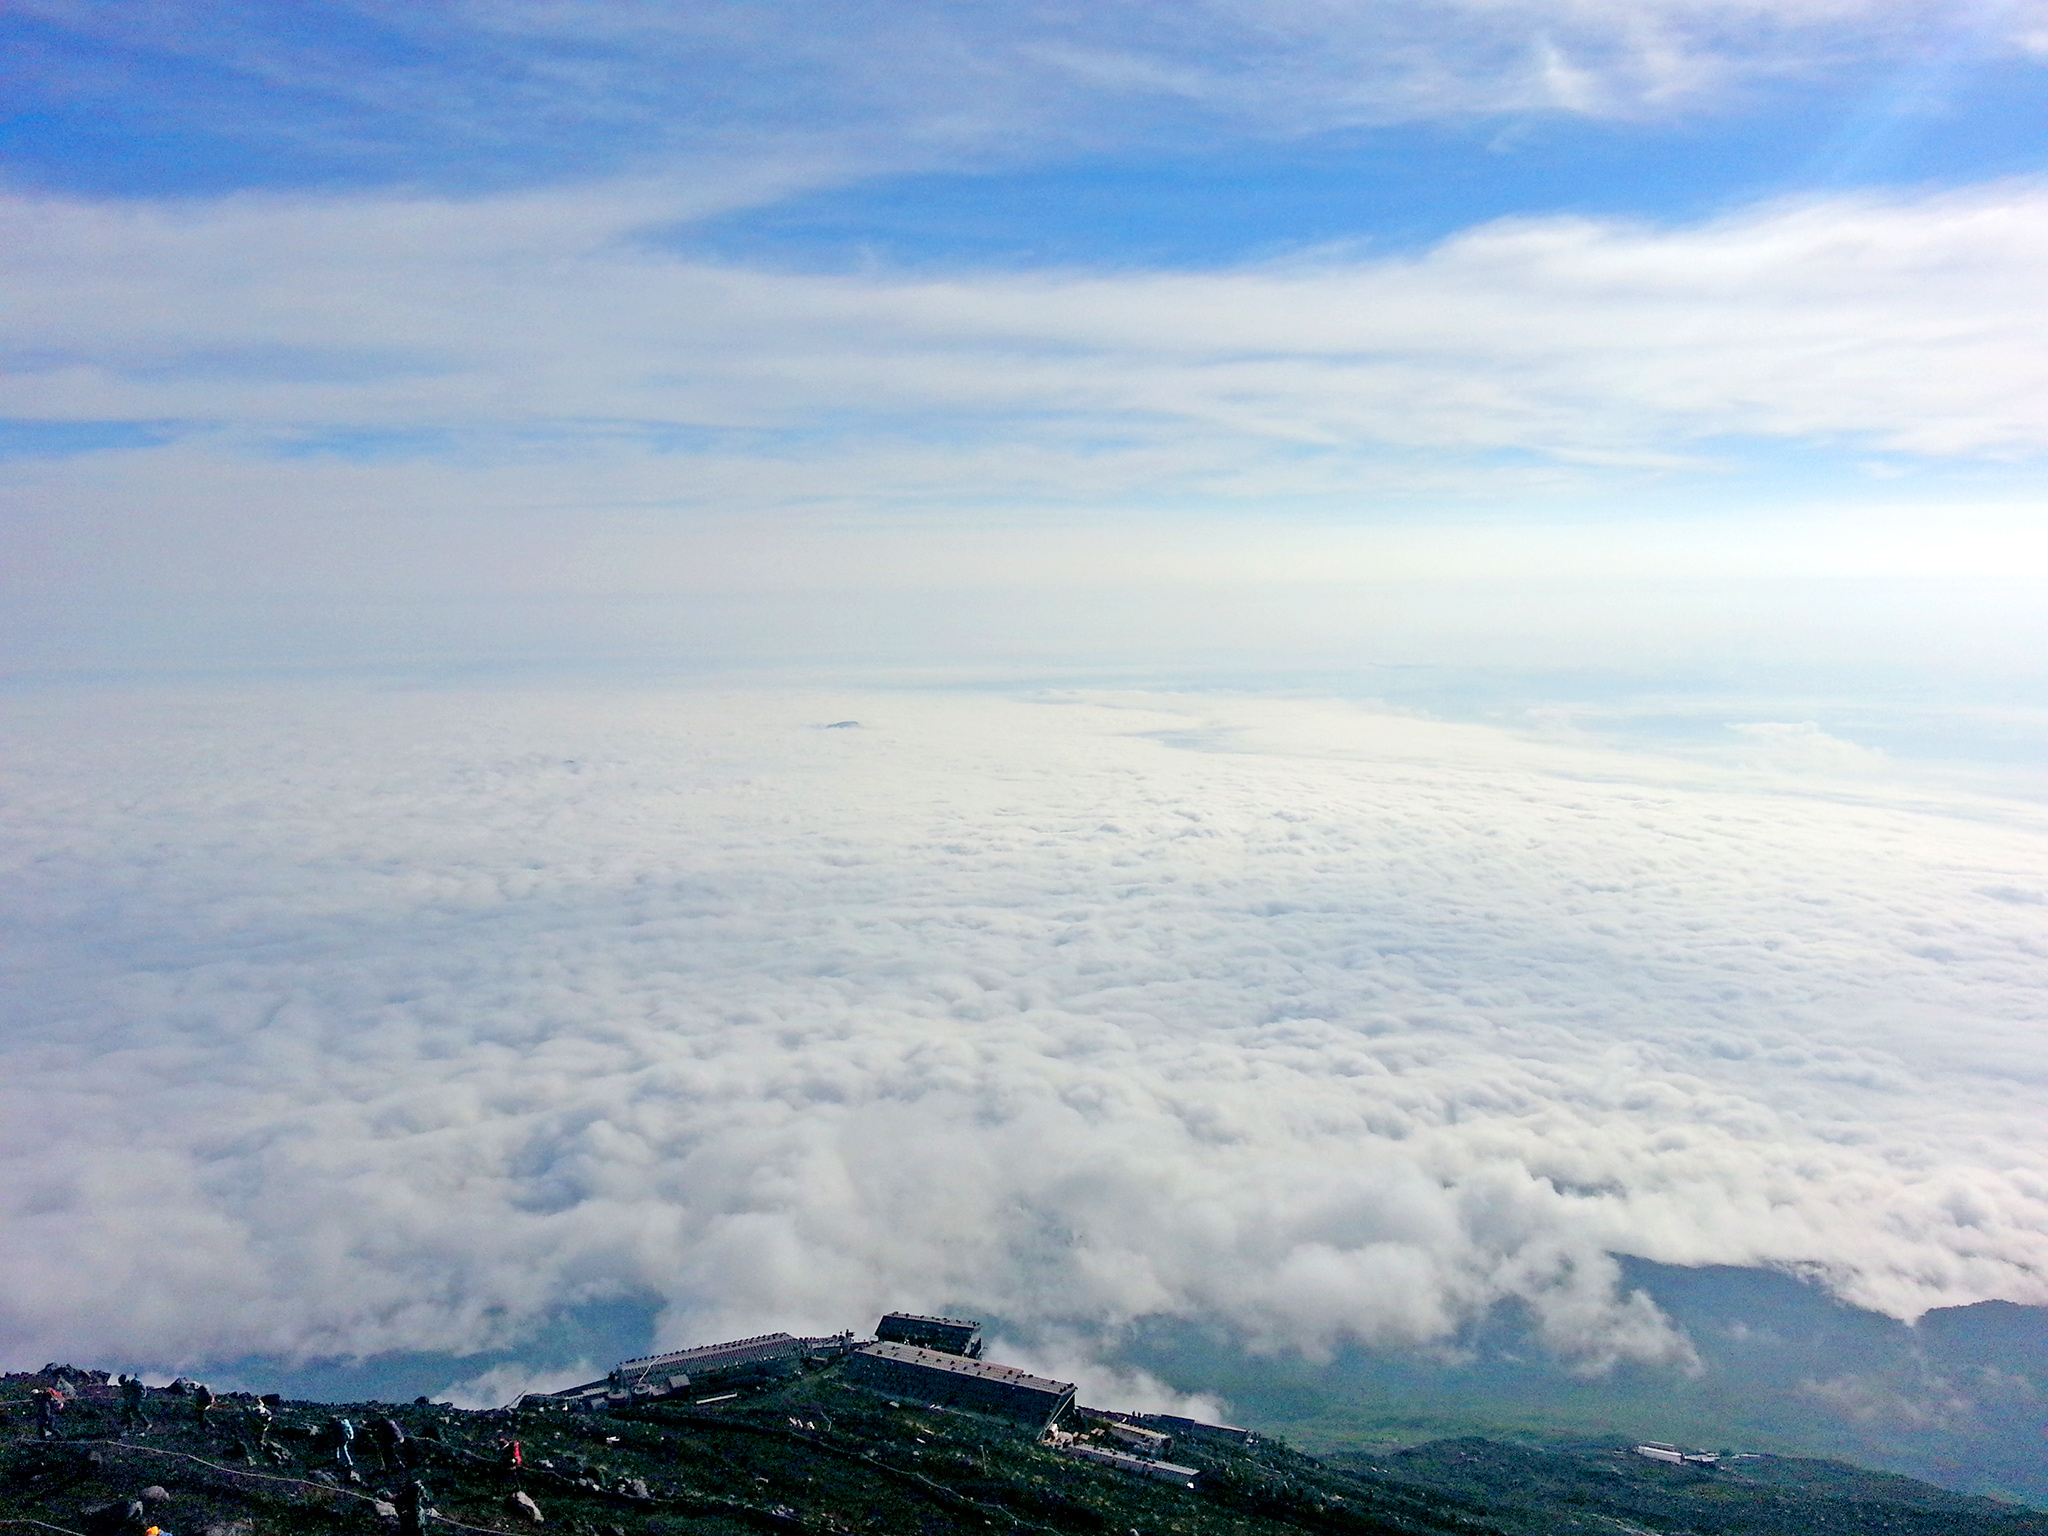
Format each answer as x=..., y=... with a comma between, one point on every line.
x=344, y=1021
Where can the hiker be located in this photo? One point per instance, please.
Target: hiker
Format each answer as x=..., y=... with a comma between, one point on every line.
x=509, y=1461
x=49, y=1403
x=390, y=1438
x=202, y=1399
x=342, y=1435
x=257, y=1419
x=132, y=1416
x=412, y=1505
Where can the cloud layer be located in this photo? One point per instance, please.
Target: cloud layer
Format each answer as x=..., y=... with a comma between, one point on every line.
x=359, y=1022
x=475, y=372
x=1902, y=324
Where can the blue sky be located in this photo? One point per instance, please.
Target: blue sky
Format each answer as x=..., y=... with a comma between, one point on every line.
x=650, y=298
x=1670, y=108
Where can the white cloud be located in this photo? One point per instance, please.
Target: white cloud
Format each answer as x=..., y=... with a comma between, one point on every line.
x=1803, y=747
x=476, y=370
x=503, y=1384
x=1900, y=323
x=349, y=1022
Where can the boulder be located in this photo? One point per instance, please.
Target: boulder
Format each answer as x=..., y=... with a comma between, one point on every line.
x=522, y=1506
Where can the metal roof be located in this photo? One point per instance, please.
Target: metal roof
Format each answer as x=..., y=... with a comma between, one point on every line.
x=759, y=1346
x=960, y=1365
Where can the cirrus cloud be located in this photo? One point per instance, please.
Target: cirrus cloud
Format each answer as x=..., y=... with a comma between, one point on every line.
x=536, y=84
x=479, y=369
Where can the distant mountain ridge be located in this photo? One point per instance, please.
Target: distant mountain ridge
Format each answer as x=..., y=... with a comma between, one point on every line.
x=1959, y=1399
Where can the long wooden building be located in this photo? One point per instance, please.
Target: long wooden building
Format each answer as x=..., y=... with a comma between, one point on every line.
x=954, y=1381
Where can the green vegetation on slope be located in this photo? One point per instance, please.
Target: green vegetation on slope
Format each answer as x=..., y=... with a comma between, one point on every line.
x=819, y=1455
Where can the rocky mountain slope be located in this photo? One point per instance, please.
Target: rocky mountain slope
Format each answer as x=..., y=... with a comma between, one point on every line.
x=818, y=1454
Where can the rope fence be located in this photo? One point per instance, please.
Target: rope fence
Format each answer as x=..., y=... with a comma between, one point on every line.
x=323, y=1489
x=697, y=1503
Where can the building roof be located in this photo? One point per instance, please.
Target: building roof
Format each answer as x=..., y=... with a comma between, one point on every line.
x=960, y=1365
x=1185, y=1425
x=1144, y=1466
x=761, y=1346
x=920, y=1317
